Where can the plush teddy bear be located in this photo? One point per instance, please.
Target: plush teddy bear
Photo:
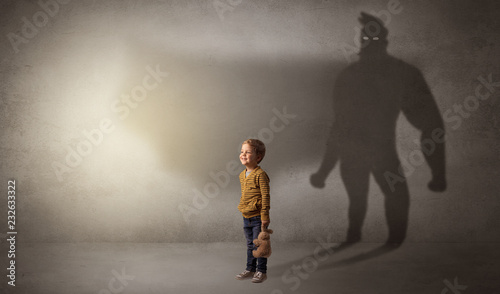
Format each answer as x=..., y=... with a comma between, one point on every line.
x=263, y=244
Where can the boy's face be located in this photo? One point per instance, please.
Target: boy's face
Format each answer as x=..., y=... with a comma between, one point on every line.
x=248, y=157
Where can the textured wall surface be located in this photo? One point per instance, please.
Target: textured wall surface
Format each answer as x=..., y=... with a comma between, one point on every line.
x=121, y=121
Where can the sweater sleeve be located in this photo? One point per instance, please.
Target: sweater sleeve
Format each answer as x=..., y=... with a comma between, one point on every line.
x=266, y=197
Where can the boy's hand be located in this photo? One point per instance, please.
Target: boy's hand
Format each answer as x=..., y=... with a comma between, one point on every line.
x=265, y=224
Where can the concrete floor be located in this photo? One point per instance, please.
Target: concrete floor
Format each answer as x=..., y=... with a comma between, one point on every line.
x=293, y=268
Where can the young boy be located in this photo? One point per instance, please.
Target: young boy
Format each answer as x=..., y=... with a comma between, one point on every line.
x=254, y=205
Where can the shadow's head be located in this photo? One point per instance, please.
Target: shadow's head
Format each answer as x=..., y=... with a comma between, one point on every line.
x=373, y=35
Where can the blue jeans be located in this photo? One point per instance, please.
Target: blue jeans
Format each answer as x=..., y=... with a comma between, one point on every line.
x=251, y=226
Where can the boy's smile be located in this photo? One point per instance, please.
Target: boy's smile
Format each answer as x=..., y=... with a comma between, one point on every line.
x=248, y=157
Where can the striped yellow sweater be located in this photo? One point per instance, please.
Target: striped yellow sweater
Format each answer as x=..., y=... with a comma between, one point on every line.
x=255, y=199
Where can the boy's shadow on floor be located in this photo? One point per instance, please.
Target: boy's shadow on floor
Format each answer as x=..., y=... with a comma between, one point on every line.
x=324, y=258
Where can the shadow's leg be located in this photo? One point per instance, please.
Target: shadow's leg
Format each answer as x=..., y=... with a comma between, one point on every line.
x=355, y=178
x=397, y=200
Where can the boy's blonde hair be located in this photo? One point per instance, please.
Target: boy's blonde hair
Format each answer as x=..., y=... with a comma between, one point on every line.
x=258, y=146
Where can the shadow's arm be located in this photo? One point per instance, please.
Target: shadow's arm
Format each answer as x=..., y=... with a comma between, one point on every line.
x=422, y=112
x=329, y=160
x=332, y=148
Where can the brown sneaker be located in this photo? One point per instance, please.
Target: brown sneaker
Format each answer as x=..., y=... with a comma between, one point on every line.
x=245, y=275
x=259, y=277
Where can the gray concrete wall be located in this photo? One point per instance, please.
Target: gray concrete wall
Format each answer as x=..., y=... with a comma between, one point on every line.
x=231, y=69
